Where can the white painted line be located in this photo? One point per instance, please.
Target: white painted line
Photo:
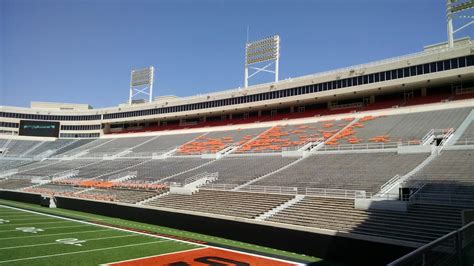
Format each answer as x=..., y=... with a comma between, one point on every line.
x=55, y=243
x=84, y=251
x=59, y=234
x=40, y=227
x=38, y=223
x=162, y=237
x=30, y=219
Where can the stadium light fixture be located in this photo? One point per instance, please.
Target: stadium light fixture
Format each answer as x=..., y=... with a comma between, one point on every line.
x=262, y=51
x=453, y=7
x=141, y=82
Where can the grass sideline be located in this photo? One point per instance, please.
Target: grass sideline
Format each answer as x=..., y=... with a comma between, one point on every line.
x=167, y=231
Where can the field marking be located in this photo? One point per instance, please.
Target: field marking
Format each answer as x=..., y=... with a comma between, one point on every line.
x=84, y=251
x=29, y=219
x=37, y=223
x=79, y=232
x=1, y=231
x=17, y=215
x=162, y=237
x=56, y=210
x=151, y=256
x=55, y=243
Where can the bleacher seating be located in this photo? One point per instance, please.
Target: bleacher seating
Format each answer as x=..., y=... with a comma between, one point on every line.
x=15, y=183
x=163, y=144
x=155, y=170
x=116, y=146
x=448, y=179
x=12, y=164
x=51, y=145
x=120, y=195
x=239, y=169
x=216, y=141
x=422, y=223
x=405, y=127
x=358, y=171
x=291, y=137
x=19, y=148
x=238, y=204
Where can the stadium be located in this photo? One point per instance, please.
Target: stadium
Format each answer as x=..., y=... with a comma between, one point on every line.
x=370, y=164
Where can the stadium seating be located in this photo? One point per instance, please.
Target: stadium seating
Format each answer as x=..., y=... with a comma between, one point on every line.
x=239, y=169
x=422, y=223
x=405, y=127
x=292, y=137
x=359, y=171
x=448, y=179
x=216, y=141
x=51, y=146
x=20, y=148
x=163, y=144
x=237, y=204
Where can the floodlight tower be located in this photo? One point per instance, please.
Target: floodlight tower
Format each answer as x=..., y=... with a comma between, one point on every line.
x=262, y=51
x=453, y=7
x=141, y=82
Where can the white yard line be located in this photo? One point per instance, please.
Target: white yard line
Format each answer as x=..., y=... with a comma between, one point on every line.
x=12, y=220
x=39, y=227
x=55, y=243
x=81, y=232
x=36, y=223
x=83, y=251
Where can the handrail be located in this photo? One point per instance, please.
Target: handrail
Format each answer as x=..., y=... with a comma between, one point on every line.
x=336, y=193
x=427, y=136
x=465, y=141
x=361, y=146
x=431, y=246
x=390, y=182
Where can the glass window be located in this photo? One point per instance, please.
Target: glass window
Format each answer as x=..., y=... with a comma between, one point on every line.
x=447, y=64
x=439, y=66
x=470, y=60
x=454, y=63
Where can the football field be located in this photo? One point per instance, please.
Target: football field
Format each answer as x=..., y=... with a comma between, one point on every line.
x=34, y=238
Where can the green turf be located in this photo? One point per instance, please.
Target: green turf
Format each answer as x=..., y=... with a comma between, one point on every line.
x=111, y=254
x=20, y=245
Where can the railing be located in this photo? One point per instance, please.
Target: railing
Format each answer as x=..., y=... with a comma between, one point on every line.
x=269, y=189
x=390, y=182
x=360, y=146
x=343, y=106
x=209, y=176
x=464, y=90
x=254, y=188
x=295, y=148
x=465, y=141
x=446, y=135
x=454, y=248
x=441, y=199
x=428, y=136
x=220, y=186
x=337, y=193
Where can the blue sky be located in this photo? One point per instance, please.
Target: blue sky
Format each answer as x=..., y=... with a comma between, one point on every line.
x=83, y=50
